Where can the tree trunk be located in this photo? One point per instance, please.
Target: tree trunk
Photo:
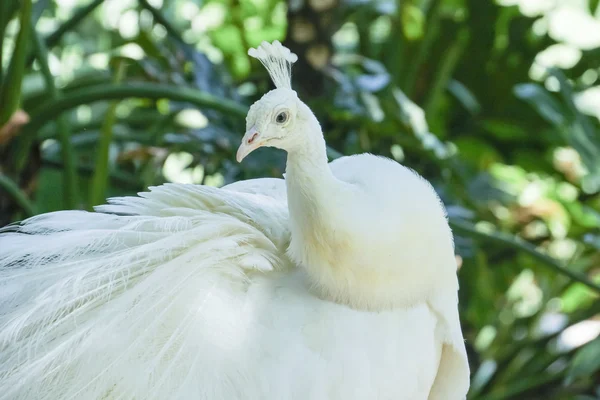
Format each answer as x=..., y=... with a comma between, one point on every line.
x=311, y=25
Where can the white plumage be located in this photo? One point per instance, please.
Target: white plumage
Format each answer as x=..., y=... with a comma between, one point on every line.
x=338, y=282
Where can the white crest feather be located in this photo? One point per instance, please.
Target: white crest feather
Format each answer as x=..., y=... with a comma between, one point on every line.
x=278, y=61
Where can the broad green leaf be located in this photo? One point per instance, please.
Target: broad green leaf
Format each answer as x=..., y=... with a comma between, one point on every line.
x=586, y=361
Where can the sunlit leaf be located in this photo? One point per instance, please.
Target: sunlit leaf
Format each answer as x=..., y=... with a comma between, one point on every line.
x=413, y=21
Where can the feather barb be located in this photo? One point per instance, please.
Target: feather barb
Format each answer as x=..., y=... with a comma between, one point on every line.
x=278, y=61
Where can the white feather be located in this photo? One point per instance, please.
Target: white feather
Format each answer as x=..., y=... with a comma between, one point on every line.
x=161, y=304
x=337, y=283
x=278, y=60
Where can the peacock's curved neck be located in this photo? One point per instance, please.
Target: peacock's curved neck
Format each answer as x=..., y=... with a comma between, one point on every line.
x=307, y=169
x=308, y=166
x=315, y=198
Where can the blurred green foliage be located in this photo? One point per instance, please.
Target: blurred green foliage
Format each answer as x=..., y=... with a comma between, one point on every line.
x=496, y=103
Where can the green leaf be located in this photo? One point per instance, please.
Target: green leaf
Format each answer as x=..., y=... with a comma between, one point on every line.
x=413, y=22
x=79, y=15
x=101, y=173
x=464, y=96
x=586, y=361
x=12, y=189
x=468, y=229
x=505, y=129
x=51, y=109
x=7, y=10
x=10, y=93
x=70, y=193
x=542, y=101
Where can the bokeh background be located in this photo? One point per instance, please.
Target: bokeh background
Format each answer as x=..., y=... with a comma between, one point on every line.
x=497, y=103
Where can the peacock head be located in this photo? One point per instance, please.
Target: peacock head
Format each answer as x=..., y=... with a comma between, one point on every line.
x=272, y=120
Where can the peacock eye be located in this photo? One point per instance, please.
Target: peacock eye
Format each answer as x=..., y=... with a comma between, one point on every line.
x=281, y=118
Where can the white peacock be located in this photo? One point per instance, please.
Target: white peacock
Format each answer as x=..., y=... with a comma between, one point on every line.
x=338, y=282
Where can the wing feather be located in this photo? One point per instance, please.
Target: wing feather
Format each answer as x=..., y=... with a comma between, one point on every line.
x=453, y=375
x=95, y=304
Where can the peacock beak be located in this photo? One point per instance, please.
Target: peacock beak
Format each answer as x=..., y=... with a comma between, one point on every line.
x=250, y=142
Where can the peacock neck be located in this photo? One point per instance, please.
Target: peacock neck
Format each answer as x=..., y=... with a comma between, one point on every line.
x=308, y=165
x=315, y=199
x=307, y=171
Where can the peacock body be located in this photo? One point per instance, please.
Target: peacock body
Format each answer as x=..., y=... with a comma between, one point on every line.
x=337, y=282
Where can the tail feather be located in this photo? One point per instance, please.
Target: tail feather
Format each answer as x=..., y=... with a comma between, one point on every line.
x=264, y=212
x=93, y=305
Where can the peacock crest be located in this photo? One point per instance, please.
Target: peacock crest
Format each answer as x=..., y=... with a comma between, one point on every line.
x=278, y=61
